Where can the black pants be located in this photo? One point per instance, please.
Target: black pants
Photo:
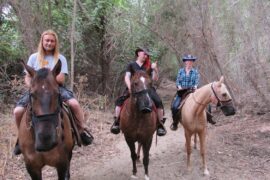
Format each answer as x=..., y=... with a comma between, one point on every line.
x=152, y=93
x=178, y=98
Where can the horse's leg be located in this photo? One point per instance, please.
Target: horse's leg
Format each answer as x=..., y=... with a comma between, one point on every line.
x=63, y=171
x=146, y=149
x=131, y=145
x=34, y=171
x=195, y=141
x=202, y=136
x=188, y=148
x=138, y=151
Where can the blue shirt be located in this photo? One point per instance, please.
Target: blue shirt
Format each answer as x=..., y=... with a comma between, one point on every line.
x=190, y=80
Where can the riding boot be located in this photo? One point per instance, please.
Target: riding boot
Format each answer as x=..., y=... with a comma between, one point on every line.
x=209, y=117
x=174, y=125
x=115, y=129
x=161, y=131
x=86, y=138
x=17, y=149
x=176, y=118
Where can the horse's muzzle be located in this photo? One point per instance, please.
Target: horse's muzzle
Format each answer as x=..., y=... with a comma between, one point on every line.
x=43, y=148
x=228, y=110
x=45, y=142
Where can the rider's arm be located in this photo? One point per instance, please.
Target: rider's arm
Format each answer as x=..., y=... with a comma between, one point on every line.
x=27, y=80
x=154, y=71
x=127, y=80
x=60, y=78
x=178, y=80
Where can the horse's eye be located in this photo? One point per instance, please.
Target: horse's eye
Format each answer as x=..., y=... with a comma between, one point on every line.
x=224, y=95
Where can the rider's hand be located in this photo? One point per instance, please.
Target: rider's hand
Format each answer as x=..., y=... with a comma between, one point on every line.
x=154, y=65
x=179, y=88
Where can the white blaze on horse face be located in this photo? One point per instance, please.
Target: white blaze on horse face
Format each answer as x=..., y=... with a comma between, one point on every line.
x=142, y=79
x=224, y=90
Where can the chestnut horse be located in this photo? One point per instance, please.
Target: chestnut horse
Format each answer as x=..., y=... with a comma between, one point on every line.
x=194, y=115
x=45, y=135
x=138, y=119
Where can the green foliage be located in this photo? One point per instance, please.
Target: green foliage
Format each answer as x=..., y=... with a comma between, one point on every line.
x=10, y=46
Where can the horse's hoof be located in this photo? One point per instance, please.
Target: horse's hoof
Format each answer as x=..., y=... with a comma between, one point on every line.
x=146, y=177
x=206, y=172
x=134, y=177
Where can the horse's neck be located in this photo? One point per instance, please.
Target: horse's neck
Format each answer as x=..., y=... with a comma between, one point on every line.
x=203, y=95
x=132, y=108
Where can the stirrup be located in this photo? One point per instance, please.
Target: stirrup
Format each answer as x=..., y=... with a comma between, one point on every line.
x=161, y=130
x=209, y=118
x=86, y=138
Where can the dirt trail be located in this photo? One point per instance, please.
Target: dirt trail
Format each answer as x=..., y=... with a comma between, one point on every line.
x=165, y=160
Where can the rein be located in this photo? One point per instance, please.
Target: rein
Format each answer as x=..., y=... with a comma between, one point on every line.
x=202, y=104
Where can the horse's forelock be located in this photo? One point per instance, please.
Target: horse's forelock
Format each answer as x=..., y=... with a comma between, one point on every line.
x=139, y=74
x=42, y=73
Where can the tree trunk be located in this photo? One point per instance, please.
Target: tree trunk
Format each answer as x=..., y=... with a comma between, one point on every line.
x=72, y=54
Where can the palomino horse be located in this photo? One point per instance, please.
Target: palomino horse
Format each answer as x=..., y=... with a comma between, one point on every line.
x=194, y=114
x=138, y=119
x=45, y=135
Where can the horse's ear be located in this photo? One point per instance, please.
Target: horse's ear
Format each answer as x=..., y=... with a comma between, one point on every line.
x=221, y=79
x=57, y=68
x=29, y=69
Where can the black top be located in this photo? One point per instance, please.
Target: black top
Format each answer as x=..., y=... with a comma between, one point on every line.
x=136, y=67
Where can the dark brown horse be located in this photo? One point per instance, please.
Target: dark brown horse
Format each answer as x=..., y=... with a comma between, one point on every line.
x=138, y=119
x=45, y=135
x=194, y=115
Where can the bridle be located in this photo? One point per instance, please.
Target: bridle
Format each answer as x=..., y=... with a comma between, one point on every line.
x=138, y=93
x=220, y=102
x=45, y=117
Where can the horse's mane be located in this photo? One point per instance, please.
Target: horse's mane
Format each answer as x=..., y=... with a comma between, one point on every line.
x=140, y=73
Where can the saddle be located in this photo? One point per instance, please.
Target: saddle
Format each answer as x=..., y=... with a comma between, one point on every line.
x=183, y=94
x=73, y=122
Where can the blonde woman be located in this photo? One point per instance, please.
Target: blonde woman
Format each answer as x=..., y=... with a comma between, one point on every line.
x=46, y=57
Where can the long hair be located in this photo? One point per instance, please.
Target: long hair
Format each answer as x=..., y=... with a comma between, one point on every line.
x=41, y=52
x=147, y=65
